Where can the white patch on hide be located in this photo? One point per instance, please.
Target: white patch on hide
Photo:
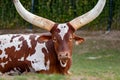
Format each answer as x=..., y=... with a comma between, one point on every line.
x=48, y=65
x=3, y=64
x=13, y=72
x=3, y=55
x=22, y=59
x=38, y=58
x=37, y=37
x=5, y=42
x=63, y=30
x=27, y=38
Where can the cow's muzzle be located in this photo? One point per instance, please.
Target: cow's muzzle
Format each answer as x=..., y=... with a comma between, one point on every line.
x=63, y=57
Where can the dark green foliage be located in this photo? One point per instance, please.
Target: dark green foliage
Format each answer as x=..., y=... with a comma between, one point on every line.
x=59, y=11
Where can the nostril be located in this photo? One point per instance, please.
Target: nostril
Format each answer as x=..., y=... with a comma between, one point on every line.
x=59, y=55
x=63, y=55
x=66, y=54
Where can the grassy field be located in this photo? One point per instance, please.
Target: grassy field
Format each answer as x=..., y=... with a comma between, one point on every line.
x=98, y=58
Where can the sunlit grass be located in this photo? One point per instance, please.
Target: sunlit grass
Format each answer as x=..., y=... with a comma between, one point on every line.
x=103, y=64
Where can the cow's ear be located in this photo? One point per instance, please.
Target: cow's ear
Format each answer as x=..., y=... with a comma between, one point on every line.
x=44, y=37
x=78, y=39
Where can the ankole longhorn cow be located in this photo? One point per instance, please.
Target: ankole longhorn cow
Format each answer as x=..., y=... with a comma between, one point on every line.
x=45, y=53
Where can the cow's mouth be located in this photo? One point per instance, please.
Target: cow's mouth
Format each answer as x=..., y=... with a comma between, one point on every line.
x=63, y=58
x=63, y=63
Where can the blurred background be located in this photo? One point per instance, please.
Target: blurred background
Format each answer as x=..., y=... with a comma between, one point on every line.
x=60, y=11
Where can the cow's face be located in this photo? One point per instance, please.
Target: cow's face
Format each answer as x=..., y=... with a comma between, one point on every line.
x=63, y=36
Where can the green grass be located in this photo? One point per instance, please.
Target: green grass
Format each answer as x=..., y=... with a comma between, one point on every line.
x=34, y=77
x=102, y=64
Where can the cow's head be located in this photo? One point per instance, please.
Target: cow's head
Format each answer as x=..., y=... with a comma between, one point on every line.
x=62, y=34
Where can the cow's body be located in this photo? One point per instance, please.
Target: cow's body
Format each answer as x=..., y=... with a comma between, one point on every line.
x=20, y=53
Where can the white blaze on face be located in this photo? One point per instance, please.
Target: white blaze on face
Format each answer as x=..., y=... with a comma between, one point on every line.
x=63, y=29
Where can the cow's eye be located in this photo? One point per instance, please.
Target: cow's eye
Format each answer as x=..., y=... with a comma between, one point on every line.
x=70, y=39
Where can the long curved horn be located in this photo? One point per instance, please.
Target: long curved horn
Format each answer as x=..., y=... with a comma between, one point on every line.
x=89, y=16
x=33, y=19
